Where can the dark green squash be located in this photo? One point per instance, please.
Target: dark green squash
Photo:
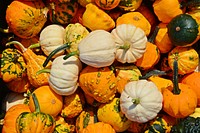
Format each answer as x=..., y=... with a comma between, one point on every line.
x=182, y=30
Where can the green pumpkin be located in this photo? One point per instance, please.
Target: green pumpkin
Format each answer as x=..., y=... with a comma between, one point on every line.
x=182, y=30
x=12, y=65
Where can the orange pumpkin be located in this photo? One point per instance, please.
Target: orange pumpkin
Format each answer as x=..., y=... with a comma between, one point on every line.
x=107, y=4
x=50, y=102
x=9, y=124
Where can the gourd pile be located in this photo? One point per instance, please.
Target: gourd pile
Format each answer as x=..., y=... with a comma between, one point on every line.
x=100, y=66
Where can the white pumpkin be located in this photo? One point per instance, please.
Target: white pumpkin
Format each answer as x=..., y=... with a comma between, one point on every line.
x=141, y=101
x=64, y=75
x=130, y=43
x=97, y=49
x=51, y=37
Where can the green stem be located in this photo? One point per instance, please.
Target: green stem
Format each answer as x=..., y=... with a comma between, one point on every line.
x=70, y=54
x=36, y=103
x=136, y=101
x=4, y=30
x=45, y=70
x=126, y=46
x=176, y=89
x=36, y=45
x=153, y=36
x=153, y=73
x=64, y=46
x=23, y=49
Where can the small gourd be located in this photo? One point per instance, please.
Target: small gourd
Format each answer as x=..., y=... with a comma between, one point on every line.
x=62, y=126
x=107, y=5
x=129, y=5
x=130, y=42
x=141, y=101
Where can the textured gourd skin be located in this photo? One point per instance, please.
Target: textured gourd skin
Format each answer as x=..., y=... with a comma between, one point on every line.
x=26, y=18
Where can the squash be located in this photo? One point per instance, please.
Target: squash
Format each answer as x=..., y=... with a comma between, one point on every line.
x=135, y=18
x=62, y=12
x=51, y=37
x=110, y=113
x=99, y=83
x=107, y=5
x=73, y=104
x=183, y=30
x=130, y=5
x=33, y=63
x=9, y=122
x=99, y=127
x=50, y=102
x=141, y=101
x=165, y=10
x=62, y=126
x=26, y=18
x=13, y=65
x=95, y=18
x=130, y=43
x=36, y=121
x=186, y=57
x=193, y=80
x=179, y=100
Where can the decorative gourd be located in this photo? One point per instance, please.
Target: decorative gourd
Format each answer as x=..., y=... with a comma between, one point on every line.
x=179, y=100
x=33, y=63
x=73, y=105
x=193, y=80
x=63, y=126
x=95, y=18
x=196, y=113
x=165, y=10
x=130, y=5
x=9, y=122
x=135, y=18
x=98, y=54
x=26, y=18
x=141, y=101
x=110, y=113
x=50, y=102
x=130, y=43
x=37, y=121
x=99, y=83
x=51, y=37
x=13, y=65
x=99, y=127
x=83, y=3
x=91, y=101
x=124, y=76
x=183, y=30
x=74, y=33
x=186, y=57
x=107, y=5
x=152, y=54
x=62, y=12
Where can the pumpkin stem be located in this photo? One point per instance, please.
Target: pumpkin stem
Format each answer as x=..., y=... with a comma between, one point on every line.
x=136, y=101
x=152, y=73
x=176, y=89
x=153, y=36
x=126, y=46
x=70, y=54
x=45, y=70
x=4, y=30
x=23, y=49
x=36, y=103
x=64, y=46
x=36, y=45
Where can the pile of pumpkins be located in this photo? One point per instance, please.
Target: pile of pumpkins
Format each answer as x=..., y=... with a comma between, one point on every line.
x=95, y=66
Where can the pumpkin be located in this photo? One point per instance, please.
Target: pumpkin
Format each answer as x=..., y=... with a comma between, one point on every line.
x=193, y=79
x=9, y=122
x=74, y=33
x=73, y=105
x=62, y=12
x=50, y=102
x=186, y=57
x=99, y=127
x=183, y=30
x=107, y=5
x=95, y=18
x=179, y=100
x=63, y=126
x=110, y=113
x=33, y=63
x=165, y=10
x=130, y=5
x=141, y=101
x=152, y=54
x=130, y=43
x=135, y=18
x=36, y=121
x=13, y=65
x=51, y=37
x=99, y=83
x=26, y=18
